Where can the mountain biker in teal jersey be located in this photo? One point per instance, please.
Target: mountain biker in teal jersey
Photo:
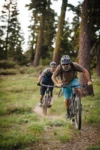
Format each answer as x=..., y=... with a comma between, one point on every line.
x=68, y=72
x=45, y=78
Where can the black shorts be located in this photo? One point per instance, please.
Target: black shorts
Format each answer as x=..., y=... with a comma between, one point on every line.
x=43, y=89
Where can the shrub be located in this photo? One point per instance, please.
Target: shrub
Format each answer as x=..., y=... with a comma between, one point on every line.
x=45, y=61
x=8, y=72
x=7, y=64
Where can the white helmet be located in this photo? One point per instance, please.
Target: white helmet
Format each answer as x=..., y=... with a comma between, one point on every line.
x=53, y=64
x=65, y=60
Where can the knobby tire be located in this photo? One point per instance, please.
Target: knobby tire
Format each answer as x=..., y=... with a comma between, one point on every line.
x=45, y=105
x=78, y=112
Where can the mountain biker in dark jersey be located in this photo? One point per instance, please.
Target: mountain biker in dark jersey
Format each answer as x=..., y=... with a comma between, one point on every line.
x=68, y=72
x=45, y=78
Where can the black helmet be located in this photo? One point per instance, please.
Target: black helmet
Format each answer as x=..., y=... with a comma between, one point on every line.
x=53, y=64
x=65, y=60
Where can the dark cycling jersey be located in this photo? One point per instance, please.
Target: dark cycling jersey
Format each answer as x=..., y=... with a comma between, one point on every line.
x=46, y=77
x=68, y=76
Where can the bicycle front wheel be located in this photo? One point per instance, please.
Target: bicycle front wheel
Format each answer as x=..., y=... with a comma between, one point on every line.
x=78, y=112
x=45, y=105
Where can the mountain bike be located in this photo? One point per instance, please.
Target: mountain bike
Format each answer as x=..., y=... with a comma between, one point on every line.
x=47, y=99
x=75, y=108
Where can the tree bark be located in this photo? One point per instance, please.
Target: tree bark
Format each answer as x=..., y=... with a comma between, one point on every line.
x=84, y=44
x=39, y=42
x=57, y=50
x=98, y=66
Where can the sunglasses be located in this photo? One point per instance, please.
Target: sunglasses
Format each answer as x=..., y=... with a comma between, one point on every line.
x=65, y=64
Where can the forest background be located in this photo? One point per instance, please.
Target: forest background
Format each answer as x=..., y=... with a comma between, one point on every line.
x=79, y=39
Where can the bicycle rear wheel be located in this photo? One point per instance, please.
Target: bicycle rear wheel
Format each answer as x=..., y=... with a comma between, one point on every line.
x=78, y=112
x=45, y=105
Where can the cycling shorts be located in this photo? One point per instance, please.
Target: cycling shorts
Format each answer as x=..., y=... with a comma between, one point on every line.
x=68, y=90
x=43, y=89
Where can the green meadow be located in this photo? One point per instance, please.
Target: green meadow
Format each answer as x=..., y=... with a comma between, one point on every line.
x=21, y=126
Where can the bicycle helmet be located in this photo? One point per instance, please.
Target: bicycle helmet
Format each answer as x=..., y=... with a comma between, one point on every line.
x=53, y=64
x=65, y=60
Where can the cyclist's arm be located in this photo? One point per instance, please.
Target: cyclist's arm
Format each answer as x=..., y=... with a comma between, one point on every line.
x=55, y=79
x=87, y=77
x=42, y=74
x=39, y=79
x=79, y=68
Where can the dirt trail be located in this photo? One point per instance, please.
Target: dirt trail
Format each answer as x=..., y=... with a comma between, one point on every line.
x=39, y=111
x=87, y=136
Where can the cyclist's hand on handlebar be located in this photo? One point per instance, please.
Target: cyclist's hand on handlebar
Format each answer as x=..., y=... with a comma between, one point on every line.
x=89, y=83
x=38, y=84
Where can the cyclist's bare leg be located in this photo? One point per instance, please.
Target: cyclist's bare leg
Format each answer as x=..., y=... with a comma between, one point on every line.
x=67, y=103
x=79, y=91
x=41, y=98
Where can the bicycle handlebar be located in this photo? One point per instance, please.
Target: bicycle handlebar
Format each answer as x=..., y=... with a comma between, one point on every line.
x=63, y=86
x=47, y=85
x=74, y=86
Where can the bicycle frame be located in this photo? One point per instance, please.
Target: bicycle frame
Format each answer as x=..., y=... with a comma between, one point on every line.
x=48, y=92
x=73, y=95
x=46, y=99
x=76, y=107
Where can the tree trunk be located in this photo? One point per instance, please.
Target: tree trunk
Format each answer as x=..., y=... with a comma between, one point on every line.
x=39, y=42
x=57, y=50
x=98, y=66
x=85, y=46
x=7, y=34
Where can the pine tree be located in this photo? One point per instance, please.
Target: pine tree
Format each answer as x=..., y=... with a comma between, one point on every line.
x=4, y=19
x=95, y=6
x=15, y=36
x=11, y=30
x=42, y=29
x=57, y=50
x=76, y=28
x=85, y=42
x=33, y=29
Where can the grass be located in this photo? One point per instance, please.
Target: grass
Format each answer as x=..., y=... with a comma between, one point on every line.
x=91, y=105
x=17, y=94
x=20, y=127
x=93, y=148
